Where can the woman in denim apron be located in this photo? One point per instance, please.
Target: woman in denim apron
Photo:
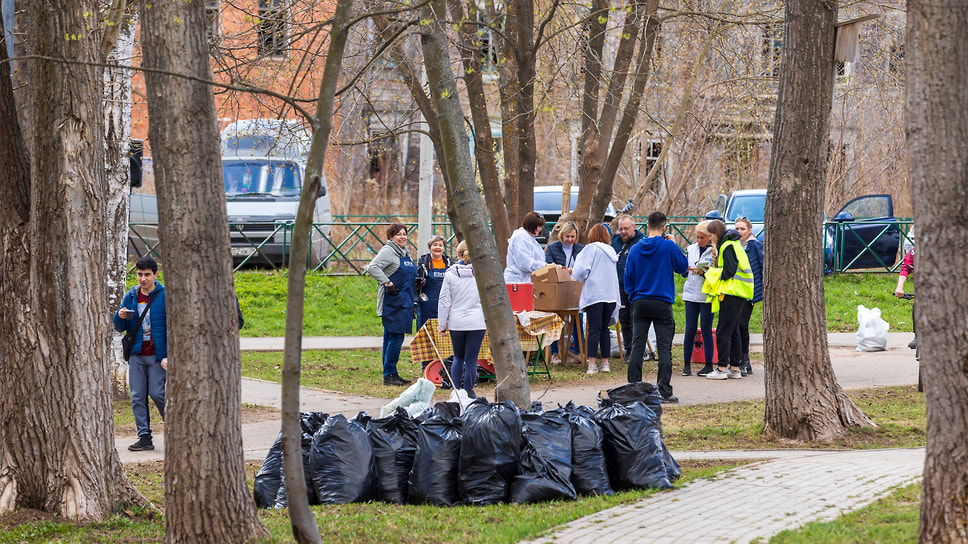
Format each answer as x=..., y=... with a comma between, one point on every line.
x=395, y=271
x=430, y=276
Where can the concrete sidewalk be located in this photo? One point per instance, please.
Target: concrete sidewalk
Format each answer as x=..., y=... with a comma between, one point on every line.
x=751, y=502
x=251, y=343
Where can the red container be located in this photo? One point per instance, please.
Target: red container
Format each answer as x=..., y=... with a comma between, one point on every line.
x=699, y=354
x=522, y=297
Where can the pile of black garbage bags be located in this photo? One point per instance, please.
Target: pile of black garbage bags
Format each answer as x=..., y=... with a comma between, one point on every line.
x=492, y=453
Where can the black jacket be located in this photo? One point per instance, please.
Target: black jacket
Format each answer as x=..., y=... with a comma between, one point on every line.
x=556, y=254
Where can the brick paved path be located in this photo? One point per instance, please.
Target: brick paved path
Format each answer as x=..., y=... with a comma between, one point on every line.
x=754, y=501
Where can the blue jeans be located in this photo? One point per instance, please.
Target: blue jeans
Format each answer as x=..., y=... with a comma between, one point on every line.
x=392, y=342
x=467, y=346
x=146, y=379
x=599, y=338
x=703, y=312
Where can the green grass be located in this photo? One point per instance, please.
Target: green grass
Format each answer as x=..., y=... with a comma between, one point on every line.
x=346, y=305
x=366, y=523
x=893, y=519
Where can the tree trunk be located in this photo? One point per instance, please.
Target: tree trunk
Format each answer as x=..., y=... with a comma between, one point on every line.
x=303, y=523
x=206, y=496
x=803, y=399
x=937, y=134
x=117, y=125
x=509, y=365
x=57, y=432
x=470, y=47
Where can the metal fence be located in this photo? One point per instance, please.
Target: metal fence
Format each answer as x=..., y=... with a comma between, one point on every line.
x=351, y=241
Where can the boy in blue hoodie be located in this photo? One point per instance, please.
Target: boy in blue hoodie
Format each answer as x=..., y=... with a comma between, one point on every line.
x=651, y=286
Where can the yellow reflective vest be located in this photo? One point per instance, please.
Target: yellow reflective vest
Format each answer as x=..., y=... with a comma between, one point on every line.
x=740, y=285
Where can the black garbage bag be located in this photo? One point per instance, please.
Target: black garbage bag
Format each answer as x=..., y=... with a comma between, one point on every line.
x=269, y=479
x=447, y=410
x=433, y=479
x=633, y=446
x=643, y=392
x=489, y=452
x=673, y=470
x=341, y=462
x=589, y=473
x=538, y=478
x=394, y=441
x=550, y=434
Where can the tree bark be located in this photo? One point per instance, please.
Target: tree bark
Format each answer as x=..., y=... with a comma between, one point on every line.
x=470, y=46
x=803, y=399
x=206, y=496
x=117, y=125
x=56, y=429
x=303, y=523
x=509, y=365
x=937, y=134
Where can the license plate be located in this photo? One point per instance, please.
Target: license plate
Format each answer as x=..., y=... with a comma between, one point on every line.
x=242, y=251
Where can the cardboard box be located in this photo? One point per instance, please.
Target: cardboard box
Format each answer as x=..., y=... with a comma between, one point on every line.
x=554, y=290
x=521, y=296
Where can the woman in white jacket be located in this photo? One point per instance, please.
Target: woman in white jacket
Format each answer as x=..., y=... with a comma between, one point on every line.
x=697, y=309
x=595, y=266
x=459, y=310
x=524, y=252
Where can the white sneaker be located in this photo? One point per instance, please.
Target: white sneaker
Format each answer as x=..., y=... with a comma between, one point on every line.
x=592, y=368
x=717, y=374
x=734, y=374
x=604, y=367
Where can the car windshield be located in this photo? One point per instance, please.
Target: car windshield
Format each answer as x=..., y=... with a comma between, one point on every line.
x=551, y=202
x=277, y=178
x=748, y=206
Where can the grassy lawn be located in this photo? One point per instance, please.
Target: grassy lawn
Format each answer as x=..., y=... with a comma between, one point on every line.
x=346, y=305
x=893, y=519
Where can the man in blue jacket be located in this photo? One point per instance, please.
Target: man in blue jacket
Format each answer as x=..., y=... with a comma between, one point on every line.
x=148, y=363
x=650, y=283
x=622, y=242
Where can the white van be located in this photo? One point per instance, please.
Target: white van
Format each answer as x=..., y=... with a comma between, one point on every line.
x=263, y=167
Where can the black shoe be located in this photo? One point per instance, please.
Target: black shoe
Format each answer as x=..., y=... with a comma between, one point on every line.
x=143, y=444
x=705, y=370
x=686, y=370
x=671, y=399
x=742, y=370
x=394, y=379
x=749, y=368
x=913, y=344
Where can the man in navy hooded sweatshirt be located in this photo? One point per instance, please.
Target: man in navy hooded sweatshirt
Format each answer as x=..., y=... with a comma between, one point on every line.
x=650, y=283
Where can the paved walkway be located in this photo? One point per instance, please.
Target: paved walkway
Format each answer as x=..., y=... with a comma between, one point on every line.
x=751, y=502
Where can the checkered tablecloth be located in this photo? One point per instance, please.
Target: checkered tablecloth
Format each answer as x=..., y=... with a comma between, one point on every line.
x=539, y=325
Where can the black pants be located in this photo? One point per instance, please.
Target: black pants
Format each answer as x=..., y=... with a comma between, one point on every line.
x=647, y=312
x=625, y=320
x=727, y=331
x=598, y=336
x=744, y=329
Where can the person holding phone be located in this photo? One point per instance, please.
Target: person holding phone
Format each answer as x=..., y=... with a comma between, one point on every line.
x=699, y=256
x=148, y=362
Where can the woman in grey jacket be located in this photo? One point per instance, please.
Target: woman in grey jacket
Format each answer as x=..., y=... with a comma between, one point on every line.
x=459, y=310
x=395, y=271
x=697, y=309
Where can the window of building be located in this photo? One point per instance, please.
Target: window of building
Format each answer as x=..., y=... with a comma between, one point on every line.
x=771, y=48
x=273, y=39
x=213, y=21
x=488, y=33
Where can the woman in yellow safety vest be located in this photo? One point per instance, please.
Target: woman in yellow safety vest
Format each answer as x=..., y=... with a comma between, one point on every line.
x=729, y=285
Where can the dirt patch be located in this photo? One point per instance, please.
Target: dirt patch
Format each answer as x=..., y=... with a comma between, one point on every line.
x=25, y=515
x=251, y=413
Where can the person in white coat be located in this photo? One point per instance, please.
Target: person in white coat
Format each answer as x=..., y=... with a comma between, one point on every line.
x=459, y=311
x=600, y=296
x=697, y=309
x=524, y=252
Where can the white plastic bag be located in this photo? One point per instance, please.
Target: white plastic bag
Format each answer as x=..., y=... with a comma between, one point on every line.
x=460, y=397
x=872, y=333
x=420, y=393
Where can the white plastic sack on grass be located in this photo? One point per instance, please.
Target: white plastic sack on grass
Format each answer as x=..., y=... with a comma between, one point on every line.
x=420, y=392
x=460, y=397
x=872, y=333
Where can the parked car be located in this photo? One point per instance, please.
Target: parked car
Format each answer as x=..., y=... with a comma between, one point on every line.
x=863, y=234
x=547, y=202
x=263, y=167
